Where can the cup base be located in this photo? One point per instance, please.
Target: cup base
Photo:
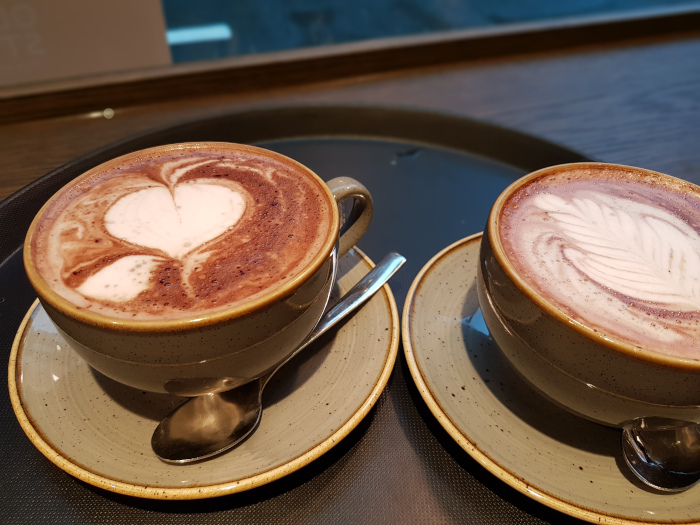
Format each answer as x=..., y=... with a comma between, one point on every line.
x=571, y=394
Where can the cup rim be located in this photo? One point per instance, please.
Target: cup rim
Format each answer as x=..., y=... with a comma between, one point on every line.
x=66, y=307
x=606, y=341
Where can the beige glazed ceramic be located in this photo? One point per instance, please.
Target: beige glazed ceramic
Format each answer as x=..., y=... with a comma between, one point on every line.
x=583, y=369
x=221, y=349
x=100, y=431
x=548, y=454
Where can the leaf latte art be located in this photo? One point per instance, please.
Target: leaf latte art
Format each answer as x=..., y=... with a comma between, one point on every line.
x=618, y=254
x=180, y=233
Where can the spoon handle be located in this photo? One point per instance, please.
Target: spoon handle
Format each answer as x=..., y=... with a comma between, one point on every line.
x=358, y=294
x=353, y=299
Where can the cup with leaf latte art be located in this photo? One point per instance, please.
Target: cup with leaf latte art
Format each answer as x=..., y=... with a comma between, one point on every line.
x=590, y=285
x=190, y=268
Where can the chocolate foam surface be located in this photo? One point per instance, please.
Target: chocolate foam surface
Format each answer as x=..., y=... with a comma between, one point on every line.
x=617, y=250
x=176, y=234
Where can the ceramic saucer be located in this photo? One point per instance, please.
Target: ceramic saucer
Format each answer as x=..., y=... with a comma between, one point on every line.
x=100, y=431
x=560, y=460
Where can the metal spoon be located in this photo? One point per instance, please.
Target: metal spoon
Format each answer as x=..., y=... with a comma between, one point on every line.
x=210, y=424
x=663, y=453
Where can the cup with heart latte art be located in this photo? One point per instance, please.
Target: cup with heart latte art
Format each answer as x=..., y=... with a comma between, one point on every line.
x=589, y=282
x=191, y=268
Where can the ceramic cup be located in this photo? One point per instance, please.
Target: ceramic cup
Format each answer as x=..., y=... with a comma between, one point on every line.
x=588, y=283
x=202, y=351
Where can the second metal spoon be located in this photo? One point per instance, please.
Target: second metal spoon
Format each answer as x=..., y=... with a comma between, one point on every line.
x=663, y=453
x=208, y=425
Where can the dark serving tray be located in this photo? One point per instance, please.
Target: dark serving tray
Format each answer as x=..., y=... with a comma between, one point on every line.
x=433, y=178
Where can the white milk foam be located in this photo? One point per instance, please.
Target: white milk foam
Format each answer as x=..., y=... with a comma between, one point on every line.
x=613, y=259
x=177, y=222
x=122, y=280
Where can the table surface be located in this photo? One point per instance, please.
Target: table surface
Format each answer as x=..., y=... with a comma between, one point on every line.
x=634, y=101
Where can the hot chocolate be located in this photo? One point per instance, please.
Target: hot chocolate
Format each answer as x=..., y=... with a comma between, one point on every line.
x=180, y=231
x=615, y=248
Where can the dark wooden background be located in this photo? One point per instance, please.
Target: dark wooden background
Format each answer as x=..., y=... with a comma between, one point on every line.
x=626, y=92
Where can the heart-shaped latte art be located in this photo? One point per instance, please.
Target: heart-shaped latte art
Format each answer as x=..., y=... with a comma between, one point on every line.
x=178, y=222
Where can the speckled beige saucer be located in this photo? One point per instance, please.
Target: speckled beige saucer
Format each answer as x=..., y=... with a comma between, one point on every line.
x=100, y=431
x=560, y=460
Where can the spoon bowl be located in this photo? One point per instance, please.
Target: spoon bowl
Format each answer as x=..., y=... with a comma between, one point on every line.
x=207, y=425
x=663, y=453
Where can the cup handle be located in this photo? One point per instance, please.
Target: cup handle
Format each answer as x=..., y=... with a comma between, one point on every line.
x=354, y=225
